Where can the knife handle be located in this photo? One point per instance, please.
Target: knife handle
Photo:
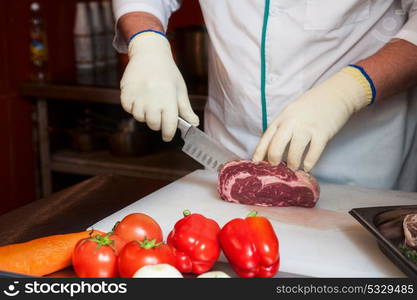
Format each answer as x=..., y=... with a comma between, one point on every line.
x=183, y=126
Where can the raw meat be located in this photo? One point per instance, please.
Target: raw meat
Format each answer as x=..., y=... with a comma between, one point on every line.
x=410, y=230
x=260, y=183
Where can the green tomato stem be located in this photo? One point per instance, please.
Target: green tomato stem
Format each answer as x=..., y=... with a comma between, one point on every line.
x=149, y=244
x=253, y=213
x=101, y=240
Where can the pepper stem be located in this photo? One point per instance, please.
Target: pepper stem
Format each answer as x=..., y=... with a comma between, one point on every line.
x=186, y=212
x=253, y=213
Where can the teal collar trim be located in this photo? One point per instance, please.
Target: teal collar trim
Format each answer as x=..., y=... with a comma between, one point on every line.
x=263, y=66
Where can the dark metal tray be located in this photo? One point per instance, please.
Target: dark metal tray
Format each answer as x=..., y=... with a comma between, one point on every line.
x=385, y=223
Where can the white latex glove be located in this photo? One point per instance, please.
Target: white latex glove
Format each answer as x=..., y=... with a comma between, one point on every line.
x=308, y=123
x=152, y=88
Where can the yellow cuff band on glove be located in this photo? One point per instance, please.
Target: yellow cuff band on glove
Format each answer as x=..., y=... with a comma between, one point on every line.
x=358, y=75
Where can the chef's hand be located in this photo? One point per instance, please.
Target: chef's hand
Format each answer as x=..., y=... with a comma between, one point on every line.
x=152, y=88
x=314, y=118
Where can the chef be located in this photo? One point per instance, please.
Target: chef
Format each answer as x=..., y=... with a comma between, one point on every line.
x=325, y=85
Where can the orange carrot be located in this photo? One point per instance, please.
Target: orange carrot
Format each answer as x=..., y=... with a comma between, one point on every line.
x=41, y=256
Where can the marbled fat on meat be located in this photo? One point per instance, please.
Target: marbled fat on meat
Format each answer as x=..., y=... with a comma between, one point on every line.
x=260, y=183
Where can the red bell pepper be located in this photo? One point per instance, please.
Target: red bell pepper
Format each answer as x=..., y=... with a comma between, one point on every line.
x=251, y=246
x=194, y=242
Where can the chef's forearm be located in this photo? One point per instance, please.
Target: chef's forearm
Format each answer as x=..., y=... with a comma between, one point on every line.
x=133, y=22
x=393, y=68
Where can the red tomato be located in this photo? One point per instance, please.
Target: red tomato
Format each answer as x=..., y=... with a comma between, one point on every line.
x=94, y=257
x=118, y=242
x=135, y=255
x=137, y=227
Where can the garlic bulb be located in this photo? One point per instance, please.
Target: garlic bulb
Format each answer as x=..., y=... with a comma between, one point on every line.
x=158, y=271
x=214, y=274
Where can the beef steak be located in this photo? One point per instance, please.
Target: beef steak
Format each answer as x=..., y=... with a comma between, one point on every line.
x=260, y=183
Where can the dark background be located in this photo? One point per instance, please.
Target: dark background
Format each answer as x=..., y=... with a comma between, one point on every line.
x=17, y=161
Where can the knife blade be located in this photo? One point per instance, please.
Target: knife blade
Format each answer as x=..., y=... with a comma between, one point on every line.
x=203, y=148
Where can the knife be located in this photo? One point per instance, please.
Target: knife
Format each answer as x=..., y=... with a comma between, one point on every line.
x=203, y=148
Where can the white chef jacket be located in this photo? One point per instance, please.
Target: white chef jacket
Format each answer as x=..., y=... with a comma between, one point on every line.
x=265, y=53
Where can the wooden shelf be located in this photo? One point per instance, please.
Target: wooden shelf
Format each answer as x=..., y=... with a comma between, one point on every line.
x=87, y=93
x=169, y=165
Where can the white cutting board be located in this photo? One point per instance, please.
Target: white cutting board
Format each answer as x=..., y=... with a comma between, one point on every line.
x=324, y=241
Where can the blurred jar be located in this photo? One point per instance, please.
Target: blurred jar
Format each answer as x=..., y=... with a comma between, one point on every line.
x=191, y=47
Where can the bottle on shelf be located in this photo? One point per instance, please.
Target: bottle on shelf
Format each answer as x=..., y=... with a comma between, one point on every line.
x=83, y=42
x=111, y=54
x=99, y=42
x=97, y=29
x=38, y=45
